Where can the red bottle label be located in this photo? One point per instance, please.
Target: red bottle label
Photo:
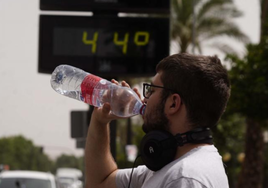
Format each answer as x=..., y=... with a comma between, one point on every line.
x=88, y=86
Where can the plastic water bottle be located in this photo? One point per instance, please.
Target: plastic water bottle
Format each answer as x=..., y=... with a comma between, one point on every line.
x=78, y=84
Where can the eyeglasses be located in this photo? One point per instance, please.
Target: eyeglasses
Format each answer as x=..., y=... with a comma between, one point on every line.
x=147, y=89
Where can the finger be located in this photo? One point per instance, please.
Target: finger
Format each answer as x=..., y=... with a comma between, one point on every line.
x=125, y=84
x=114, y=81
x=101, y=115
x=106, y=108
x=137, y=92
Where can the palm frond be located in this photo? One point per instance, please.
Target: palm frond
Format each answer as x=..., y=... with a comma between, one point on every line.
x=224, y=11
x=182, y=9
x=226, y=29
x=211, y=4
x=213, y=19
x=225, y=48
x=206, y=24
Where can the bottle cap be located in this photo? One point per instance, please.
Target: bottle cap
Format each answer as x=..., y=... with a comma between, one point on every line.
x=142, y=110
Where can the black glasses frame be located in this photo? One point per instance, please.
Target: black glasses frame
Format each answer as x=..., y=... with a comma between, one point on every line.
x=146, y=95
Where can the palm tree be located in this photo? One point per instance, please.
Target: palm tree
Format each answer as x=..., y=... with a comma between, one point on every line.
x=194, y=22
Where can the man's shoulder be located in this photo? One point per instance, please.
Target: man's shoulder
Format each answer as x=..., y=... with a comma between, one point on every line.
x=202, y=164
x=198, y=159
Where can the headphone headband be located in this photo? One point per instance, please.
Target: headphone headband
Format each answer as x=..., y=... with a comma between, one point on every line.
x=199, y=135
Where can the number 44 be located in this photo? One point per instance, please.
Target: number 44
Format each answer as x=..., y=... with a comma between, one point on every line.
x=141, y=38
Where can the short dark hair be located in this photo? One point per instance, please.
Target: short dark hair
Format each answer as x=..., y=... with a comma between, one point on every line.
x=201, y=81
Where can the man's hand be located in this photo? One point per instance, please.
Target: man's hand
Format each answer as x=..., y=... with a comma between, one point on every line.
x=102, y=115
x=125, y=84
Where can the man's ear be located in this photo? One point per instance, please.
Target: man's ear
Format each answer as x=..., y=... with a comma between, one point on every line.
x=174, y=103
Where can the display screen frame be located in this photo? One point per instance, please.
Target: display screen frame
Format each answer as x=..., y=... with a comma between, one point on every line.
x=128, y=6
x=102, y=66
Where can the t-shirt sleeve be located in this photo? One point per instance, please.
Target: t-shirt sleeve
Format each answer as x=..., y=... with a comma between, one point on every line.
x=185, y=183
x=138, y=177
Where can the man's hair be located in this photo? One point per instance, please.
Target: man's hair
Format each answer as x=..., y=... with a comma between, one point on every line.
x=202, y=83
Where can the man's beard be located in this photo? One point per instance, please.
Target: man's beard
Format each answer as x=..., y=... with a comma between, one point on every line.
x=156, y=120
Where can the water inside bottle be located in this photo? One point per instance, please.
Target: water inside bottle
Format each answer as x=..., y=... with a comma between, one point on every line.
x=67, y=82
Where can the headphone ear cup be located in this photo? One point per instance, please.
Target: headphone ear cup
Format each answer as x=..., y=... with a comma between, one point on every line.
x=158, y=148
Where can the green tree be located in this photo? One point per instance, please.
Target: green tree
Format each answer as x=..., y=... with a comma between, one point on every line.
x=69, y=161
x=249, y=78
x=20, y=153
x=212, y=18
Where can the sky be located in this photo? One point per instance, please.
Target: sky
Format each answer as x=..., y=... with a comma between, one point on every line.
x=28, y=104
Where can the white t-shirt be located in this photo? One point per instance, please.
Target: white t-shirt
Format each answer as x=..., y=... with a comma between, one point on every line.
x=202, y=167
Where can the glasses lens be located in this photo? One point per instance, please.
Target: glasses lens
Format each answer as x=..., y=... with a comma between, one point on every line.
x=147, y=91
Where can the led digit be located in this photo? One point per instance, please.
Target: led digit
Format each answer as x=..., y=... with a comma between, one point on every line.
x=121, y=43
x=91, y=42
x=146, y=36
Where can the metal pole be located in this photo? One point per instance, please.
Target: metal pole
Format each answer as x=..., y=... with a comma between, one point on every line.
x=193, y=26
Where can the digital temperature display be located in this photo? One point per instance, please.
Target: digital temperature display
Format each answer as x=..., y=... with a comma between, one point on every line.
x=101, y=42
x=103, y=45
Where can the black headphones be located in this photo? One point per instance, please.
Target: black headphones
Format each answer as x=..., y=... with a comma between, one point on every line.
x=158, y=148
